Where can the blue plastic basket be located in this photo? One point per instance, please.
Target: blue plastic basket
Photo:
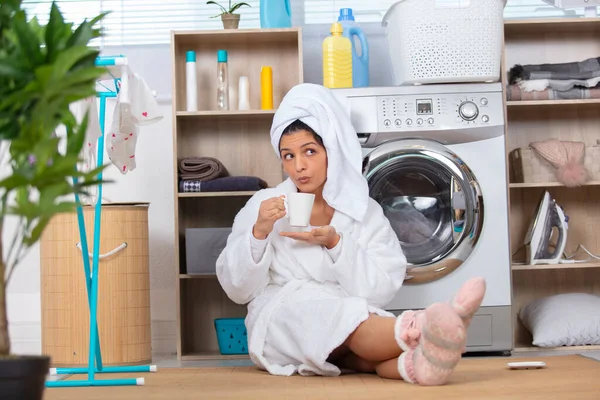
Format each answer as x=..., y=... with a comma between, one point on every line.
x=231, y=335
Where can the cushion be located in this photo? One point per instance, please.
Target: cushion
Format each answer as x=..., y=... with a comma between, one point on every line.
x=571, y=319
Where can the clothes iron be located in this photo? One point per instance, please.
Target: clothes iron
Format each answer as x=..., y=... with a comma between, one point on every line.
x=550, y=221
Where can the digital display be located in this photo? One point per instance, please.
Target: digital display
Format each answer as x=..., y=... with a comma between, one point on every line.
x=424, y=107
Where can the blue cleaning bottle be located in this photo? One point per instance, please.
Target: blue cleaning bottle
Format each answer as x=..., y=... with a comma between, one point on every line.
x=360, y=62
x=275, y=14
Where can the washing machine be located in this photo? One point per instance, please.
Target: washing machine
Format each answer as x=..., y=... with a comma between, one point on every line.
x=434, y=158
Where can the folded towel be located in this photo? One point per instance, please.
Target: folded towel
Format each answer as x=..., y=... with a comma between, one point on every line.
x=226, y=184
x=201, y=169
x=560, y=85
x=582, y=70
x=516, y=93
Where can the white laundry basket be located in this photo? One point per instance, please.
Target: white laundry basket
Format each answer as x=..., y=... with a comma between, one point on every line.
x=445, y=41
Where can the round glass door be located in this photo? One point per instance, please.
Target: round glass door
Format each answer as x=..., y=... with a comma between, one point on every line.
x=433, y=203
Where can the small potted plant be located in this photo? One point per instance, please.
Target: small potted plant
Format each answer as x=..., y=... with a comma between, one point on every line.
x=230, y=20
x=43, y=69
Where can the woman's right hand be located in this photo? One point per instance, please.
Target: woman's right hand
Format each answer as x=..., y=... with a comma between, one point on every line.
x=270, y=211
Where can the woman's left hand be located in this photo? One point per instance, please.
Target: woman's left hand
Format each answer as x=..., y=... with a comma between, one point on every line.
x=324, y=236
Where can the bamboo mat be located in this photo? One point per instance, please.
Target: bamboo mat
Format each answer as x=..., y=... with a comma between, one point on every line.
x=565, y=377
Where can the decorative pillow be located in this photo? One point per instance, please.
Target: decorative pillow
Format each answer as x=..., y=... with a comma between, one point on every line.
x=571, y=319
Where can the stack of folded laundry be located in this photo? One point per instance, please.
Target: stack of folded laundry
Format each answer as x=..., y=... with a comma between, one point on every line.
x=207, y=174
x=565, y=81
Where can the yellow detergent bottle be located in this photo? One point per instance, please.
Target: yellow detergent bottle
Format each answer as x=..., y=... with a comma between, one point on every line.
x=337, y=59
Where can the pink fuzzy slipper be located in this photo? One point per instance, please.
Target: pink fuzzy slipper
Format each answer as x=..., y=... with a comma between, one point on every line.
x=407, y=330
x=467, y=300
x=443, y=336
x=465, y=303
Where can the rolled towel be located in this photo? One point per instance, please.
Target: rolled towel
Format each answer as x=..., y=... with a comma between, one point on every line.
x=226, y=184
x=201, y=169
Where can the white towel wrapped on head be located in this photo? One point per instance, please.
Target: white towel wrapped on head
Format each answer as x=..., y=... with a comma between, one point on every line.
x=346, y=190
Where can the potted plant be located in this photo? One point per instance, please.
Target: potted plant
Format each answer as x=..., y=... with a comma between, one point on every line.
x=230, y=20
x=42, y=70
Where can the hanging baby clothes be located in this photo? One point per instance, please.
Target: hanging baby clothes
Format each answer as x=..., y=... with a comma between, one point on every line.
x=142, y=109
x=92, y=134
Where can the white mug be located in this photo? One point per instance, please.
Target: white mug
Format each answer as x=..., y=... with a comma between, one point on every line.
x=298, y=207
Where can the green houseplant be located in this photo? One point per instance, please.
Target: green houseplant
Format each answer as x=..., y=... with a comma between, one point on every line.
x=42, y=70
x=228, y=16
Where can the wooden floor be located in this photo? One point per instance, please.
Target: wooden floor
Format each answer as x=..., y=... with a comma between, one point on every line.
x=565, y=377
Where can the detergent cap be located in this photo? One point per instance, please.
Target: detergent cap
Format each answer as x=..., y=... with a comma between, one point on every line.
x=336, y=28
x=190, y=56
x=346, y=14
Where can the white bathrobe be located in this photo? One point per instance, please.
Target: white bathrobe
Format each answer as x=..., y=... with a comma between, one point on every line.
x=305, y=300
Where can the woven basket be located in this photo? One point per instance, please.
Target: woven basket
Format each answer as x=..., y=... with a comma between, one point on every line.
x=527, y=166
x=124, y=321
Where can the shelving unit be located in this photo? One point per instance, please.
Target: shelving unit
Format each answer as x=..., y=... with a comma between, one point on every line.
x=548, y=103
x=546, y=184
x=552, y=41
x=240, y=140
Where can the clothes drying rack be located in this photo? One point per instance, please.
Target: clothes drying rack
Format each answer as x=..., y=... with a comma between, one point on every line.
x=118, y=72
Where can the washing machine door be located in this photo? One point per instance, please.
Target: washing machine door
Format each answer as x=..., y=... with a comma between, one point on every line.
x=433, y=202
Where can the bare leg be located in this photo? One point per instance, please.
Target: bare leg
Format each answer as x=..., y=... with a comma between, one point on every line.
x=374, y=344
x=355, y=363
x=388, y=369
x=374, y=339
x=385, y=369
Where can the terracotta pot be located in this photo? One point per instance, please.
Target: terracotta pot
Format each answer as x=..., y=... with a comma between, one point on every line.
x=23, y=377
x=230, y=21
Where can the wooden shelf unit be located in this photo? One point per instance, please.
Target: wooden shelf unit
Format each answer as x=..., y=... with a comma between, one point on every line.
x=549, y=103
x=215, y=194
x=519, y=267
x=240, y=140
x=548, y=184
x=537, y=42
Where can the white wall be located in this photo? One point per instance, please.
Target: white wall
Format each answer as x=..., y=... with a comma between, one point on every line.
x=154, y=156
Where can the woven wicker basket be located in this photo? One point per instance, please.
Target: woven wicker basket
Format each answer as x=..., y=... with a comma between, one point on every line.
x=527, y=166
x=124, y=320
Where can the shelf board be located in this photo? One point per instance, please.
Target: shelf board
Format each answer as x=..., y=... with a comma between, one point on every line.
x=215, y=194
x=521, y=348
x=537, y=103
x=540, y=26
x=517, y=267
x=547, y=184
x=226, y=113
x=197, y=276
x=265, y=34
x=212, y=356
x=552, y=21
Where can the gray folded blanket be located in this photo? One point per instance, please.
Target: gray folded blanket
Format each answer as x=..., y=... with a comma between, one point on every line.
x=582, y=70
x=201, y=169
x=226, y=184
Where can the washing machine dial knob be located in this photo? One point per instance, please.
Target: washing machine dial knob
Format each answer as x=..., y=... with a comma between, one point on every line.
x=468, y=111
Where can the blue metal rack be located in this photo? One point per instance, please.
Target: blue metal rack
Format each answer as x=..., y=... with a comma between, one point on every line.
x=118, y=71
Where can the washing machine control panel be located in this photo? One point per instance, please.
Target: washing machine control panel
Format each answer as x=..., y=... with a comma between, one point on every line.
x=434, y=112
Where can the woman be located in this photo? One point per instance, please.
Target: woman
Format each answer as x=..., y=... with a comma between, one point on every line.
x=315, y=299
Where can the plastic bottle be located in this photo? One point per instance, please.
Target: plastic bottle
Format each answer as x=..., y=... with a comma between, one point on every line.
x=191, y=88
x=266, y=88
x=337, y=59
x=243, y=93
x=222, y=81
x=360, y=62
x=275, y=14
